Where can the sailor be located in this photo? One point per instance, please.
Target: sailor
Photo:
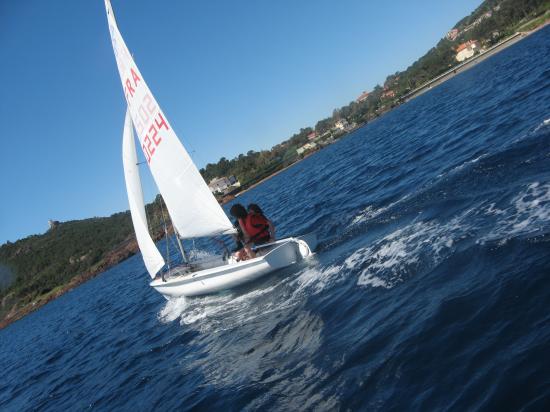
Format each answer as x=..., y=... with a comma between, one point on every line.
x=259, y=228
x=239, y=213
x=255, y=229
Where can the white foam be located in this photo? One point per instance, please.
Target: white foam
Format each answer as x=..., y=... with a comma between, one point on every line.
x=423, y=245
x=360, y=218
x=463, y=165
x=172, y=310
x=373, y=281
x=367, y=214
x=370, y=212
x=315, y=279
x=544, y=123
x=532, y=206
x=224, y=311
x=208, y=307
x=527, y=213
x=418, y=246
x=492, y=210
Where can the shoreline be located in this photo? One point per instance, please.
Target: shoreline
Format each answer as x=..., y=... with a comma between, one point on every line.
x=266, y=178
x=471, y=62
x=436, y=81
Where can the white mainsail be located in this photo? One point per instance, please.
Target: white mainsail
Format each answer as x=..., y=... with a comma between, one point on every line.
x=151, y=255
x=192, y=207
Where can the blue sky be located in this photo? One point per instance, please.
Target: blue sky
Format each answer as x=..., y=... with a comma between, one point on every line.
x=231, y=76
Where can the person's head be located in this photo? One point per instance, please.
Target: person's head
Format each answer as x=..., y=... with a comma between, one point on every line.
x=238, y=211
x=254, y=208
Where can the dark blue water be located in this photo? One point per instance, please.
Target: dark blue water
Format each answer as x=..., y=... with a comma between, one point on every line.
x=430, y=289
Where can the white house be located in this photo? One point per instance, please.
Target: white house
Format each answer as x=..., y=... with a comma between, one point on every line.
x=221, y=184
x=307, y=146
x=466, y=50
x=341, y=124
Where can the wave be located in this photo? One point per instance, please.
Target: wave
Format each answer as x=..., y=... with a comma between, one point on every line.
x=172, y=310
x=370, y=212
x=314, y=280
x=544, y=123
x=417, y=247
x=421, y=246
x=463, y=165
x=527, y=214
x=225, y=310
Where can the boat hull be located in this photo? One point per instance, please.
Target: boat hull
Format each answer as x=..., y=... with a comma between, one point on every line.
x=284, y=253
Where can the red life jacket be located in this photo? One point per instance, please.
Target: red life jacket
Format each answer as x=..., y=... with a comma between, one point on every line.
x=257, y=227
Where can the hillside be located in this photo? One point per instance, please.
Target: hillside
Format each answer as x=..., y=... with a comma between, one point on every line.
x=41, y=267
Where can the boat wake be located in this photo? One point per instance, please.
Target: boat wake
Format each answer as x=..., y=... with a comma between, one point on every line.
x=314, y=280
x=410, y=250
x=222, y=311
x=172, y=310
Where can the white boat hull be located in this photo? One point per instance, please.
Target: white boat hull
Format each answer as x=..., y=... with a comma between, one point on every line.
x=229, y=274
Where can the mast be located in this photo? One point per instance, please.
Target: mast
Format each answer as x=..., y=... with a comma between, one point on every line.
x=182, y=250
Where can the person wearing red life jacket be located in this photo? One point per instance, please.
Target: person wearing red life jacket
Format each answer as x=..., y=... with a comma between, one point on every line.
x=256, y=229
x=259, y=228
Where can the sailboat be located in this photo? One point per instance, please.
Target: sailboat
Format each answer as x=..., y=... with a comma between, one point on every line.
x=192, y=207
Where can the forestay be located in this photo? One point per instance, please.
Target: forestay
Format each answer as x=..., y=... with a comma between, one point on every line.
x=192, y=207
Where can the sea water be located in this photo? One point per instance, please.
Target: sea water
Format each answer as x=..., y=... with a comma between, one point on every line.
x=430, y=289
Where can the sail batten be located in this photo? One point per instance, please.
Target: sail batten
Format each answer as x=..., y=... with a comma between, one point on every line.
x=192, y=207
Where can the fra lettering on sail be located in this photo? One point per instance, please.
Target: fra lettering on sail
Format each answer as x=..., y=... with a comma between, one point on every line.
x=149, y=117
